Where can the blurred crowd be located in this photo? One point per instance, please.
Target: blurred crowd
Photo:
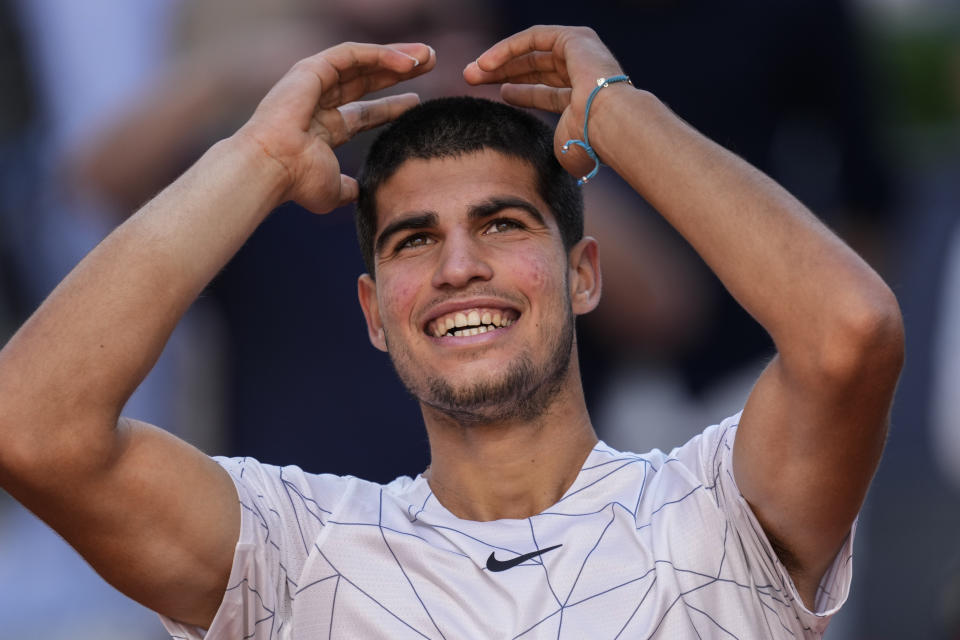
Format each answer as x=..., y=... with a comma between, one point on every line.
x=854, y=107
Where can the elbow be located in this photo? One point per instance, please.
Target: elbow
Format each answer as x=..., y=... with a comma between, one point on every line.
x=35, y=455
x=21, y=455
x=865, y=341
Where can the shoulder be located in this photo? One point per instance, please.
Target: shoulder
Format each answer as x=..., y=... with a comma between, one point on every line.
x=282, y=480
x=695, y=463
x=288, y=494
x=707, y=451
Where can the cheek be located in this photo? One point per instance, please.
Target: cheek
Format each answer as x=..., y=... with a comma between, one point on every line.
x=541, y=278
x=538, y=271
x=397, y=296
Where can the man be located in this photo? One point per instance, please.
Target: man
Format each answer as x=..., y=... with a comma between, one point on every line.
x=524, y=524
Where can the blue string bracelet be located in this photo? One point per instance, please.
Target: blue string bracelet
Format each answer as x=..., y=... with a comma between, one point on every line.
x=585, y=143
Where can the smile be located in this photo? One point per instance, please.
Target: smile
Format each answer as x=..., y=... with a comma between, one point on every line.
x=470, y=322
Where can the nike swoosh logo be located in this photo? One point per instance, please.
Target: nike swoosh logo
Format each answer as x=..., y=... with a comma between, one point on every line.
x=502, y=565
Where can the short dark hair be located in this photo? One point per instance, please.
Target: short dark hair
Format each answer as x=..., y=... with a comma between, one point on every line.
x=450, y=127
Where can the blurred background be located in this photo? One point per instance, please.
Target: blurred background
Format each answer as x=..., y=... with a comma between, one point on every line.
x=853, y=106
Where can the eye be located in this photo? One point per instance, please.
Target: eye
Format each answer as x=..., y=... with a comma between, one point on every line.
x=500, y=225
x=414, y=241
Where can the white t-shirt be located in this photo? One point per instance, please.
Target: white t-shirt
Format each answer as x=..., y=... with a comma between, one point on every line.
x=640, y=545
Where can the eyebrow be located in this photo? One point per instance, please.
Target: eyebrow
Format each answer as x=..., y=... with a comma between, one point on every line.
x=421, y=220
x=479, y=211
x=499, y=203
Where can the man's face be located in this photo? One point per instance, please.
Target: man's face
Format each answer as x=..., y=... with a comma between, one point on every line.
x=473, y=295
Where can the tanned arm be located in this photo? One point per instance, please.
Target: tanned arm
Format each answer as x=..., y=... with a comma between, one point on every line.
x=813, y=429
x=155, y=517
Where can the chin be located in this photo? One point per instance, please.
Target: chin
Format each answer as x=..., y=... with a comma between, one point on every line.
x=522, y=390
x=523, y=393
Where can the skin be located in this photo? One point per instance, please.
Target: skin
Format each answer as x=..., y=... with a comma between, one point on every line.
x=814, y=425
x=159, y=520
x=154, y=516
x=508, y=258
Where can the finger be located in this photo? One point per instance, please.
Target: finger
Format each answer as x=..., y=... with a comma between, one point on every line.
x=551, y=79
x=537, y=38
x=577, y=50
x=360, y=116
x=345, y=60
x=549, y=68
x=536, y=96
x=302, y=88
x=368, y=82
x=295, y=95
x=349, y=190
x=529, y=62
x=353, y=54
x=415, y=49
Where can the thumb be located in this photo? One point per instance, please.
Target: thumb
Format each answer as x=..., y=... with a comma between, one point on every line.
x=349, y=190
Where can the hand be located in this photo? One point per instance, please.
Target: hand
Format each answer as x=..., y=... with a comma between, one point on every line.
x=554, y=69
x=312, y=110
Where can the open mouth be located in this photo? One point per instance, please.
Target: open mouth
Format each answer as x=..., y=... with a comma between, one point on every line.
x=470, y=322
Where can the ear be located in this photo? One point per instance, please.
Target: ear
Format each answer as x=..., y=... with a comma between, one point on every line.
x=367, y=293
x=584, y=277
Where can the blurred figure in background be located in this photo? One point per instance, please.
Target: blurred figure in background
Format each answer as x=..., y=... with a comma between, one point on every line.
x=945, y=414
x=909, y=572
x=16, y=111
x=86, y=61
x=946, y=364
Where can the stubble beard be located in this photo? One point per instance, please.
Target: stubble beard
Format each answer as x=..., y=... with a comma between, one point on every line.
x=524, y=392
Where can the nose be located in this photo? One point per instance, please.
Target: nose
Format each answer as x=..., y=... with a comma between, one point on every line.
x=461, y=261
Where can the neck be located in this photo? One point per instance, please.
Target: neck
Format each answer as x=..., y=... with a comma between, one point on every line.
x=510, y=468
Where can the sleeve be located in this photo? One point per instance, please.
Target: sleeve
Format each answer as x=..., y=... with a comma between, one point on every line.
x=715, y=453
x=283, y=510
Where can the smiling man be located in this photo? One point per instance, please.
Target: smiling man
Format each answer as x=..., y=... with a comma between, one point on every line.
x=524, y=525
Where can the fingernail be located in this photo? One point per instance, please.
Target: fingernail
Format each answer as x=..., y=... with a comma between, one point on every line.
x=416, y=62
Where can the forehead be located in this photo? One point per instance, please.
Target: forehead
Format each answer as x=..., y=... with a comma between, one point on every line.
x=450, y=185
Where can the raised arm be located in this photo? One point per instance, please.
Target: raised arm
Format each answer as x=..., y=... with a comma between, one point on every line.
x=813, y=428
x=155, y=517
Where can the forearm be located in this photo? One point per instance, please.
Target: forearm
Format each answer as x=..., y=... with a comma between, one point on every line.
x=813, y=427
x=802, y=283
x=72, y=366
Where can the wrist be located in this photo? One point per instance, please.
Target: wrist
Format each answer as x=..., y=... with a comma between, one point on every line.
x=614, y=108
x=264, y=171
x=584, y=143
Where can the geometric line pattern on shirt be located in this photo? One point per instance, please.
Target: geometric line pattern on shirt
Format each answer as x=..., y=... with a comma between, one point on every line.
x=561, y=606
x=626, y=461
x=774, y=598
x=402, y=570
x=340, y=576
x=269, y=612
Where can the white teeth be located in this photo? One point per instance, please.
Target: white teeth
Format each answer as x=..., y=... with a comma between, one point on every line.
x=470, y=323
